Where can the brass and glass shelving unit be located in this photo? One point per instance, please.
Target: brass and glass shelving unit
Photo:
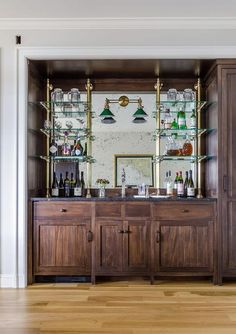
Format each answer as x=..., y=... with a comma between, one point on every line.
x=56, y=111
x=194, y=134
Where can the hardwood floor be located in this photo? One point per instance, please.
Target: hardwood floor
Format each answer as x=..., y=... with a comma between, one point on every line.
x=128, y=307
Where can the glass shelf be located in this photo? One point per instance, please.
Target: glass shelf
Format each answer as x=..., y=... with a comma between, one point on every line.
x=190, y=158
x=72, y=134
x=58, y=158
x=65, y=109
x=180, y=133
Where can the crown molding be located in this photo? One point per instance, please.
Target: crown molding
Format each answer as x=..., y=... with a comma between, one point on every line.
x=149, y=23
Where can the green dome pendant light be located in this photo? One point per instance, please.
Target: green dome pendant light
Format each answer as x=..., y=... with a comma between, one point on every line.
x=107, y=115
x=139, y=115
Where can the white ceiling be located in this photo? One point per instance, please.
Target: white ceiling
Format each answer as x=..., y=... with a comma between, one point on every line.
x=116, y=8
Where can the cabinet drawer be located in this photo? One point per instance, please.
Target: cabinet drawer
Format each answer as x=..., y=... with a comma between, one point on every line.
x=62, y=209
x=108, y=209
x=169, y=211
x=137, y=210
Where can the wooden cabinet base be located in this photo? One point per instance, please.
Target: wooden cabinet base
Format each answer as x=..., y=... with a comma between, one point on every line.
x=122, y=239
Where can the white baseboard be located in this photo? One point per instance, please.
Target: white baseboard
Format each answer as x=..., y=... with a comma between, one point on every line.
x=12, y=281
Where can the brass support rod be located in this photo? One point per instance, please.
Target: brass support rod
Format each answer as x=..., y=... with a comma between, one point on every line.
x=48, y=142
x=158, y=87
x=198, y=141
x=89, y=88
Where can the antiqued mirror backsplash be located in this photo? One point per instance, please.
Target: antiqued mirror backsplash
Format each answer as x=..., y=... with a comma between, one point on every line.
x=124, y=137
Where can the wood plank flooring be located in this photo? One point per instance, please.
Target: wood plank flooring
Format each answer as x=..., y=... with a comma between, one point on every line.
x=128, y=307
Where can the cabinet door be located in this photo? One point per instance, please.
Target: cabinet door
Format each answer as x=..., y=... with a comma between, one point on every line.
x=228, y=165
x=62, y=247
x=108, y=246
x=183, y=246
x=136, y=246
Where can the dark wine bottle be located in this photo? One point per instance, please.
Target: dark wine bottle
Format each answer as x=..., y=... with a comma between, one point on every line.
x=55, y=186
x=67, y=186
x=180, y=186
x=78, y=185
x=61, y=186
x=72, y=185
x=82, y=184
x=191, y=189
x=186, y=184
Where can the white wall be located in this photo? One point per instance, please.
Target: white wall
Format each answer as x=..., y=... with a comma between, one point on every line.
x=125, y=39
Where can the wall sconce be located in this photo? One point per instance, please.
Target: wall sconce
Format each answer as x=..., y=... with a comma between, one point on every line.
x=107, y=115
x=139, y=115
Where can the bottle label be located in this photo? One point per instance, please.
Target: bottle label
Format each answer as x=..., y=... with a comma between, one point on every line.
x=181, y=121
x=53, y=149
x=77, y=191
x=180, y=189
x=78, y=152
x=55, y=192
x=191, y=192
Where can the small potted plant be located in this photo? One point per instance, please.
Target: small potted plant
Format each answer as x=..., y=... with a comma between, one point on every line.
x=102, y=184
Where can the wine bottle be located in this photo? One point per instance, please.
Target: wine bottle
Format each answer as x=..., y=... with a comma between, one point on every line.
x=176, y=183
x=61, y=186
x=190, y=189
x=169, y=185
x=72, y=152
x=67, y=186
x=72, y=185
x=78, y=185
x=55, y=186
x=180, y=186
x=186, y=184
x=83, y=184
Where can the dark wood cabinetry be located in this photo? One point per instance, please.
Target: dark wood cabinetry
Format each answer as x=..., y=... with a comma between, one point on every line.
x=182, y=239
x=62, y=238
x=227, y=166
x=122, y=238
x=122, y=243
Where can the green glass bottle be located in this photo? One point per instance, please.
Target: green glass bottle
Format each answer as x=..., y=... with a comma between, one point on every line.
x=181, y=120
x=174, y=124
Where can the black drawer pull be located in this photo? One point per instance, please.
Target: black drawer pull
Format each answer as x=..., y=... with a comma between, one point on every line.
x=90, y=236
x=121, y=231
x=185, y=210
x=158, y=237
x=63, y=210
x=126, y=231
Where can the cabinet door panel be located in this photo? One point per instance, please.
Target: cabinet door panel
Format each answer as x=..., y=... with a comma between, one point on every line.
x=136, y=246
x=229, y=243
x=62, y=248
x=108, y=246
x=229, y=125
x=184, y=246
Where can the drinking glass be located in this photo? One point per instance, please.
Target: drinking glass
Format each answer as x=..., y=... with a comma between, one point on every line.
x=173, y=95
x=188, y=94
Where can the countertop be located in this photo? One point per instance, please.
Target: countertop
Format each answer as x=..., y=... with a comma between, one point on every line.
x=117, y=198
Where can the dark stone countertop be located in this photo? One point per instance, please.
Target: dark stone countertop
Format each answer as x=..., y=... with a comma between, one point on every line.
x=117, y=198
